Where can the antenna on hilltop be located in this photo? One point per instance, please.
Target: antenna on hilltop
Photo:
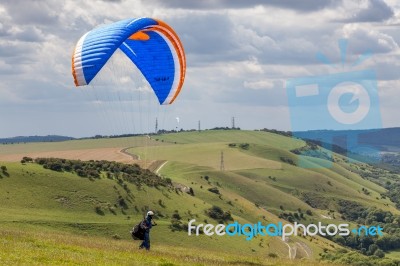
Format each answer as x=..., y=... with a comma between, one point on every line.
x=233, y=122
x=156, y=125
x=199, y=126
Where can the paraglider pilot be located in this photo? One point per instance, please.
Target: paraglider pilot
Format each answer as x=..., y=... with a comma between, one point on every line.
x=146, y=225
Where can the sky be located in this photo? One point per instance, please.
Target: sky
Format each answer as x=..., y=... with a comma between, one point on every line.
x=240, y=56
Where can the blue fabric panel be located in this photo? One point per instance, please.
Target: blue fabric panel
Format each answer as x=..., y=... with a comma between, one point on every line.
x=100, y=44
x=154, y=59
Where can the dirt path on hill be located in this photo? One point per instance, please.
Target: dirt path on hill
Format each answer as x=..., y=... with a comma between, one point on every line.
x=296, y=246
x=161, y=166
x=133, y=156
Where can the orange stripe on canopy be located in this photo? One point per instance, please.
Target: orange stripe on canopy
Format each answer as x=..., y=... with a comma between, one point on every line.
x=139, y=36
x=73, y=68
x=174, y=39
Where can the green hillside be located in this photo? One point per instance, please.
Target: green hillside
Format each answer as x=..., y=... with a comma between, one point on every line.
x=261, y=181
x=27, y=247
x=262, y=167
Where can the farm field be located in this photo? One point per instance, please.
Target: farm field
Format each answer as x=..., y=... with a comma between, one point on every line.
x=110, y=154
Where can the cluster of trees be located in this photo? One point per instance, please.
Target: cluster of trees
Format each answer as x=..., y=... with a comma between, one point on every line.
x=120, y=172
x=287, y=160
x=218, y=214
x=370, y=245
x=26, y=160
x=374, y=174
x=383, y=177
x=313, y=150
x=4, y=171
x=159, y=132
x=244, y=146
x=225, y=128
x=318, y=201
x=295, y=216
x=392, y=159
x=176, y=222
x=283, y=133
x=393, y=193
x=214, y=190
x=355, y=212
x=351, y=211
x=345, y=257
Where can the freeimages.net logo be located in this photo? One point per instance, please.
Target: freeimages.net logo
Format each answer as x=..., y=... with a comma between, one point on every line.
x=340, y=101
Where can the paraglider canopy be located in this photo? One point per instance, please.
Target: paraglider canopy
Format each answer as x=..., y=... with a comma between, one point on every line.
x=150, y=44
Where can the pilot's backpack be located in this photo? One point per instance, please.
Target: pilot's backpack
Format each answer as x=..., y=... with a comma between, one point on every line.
x=138, y=231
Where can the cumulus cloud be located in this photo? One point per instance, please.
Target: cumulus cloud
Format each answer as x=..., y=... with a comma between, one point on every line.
x=265, y=84
x=239, y=54
x=33, y=12
x=370, y=11
x=303, y=6
x=206, y=34
x=367, y=39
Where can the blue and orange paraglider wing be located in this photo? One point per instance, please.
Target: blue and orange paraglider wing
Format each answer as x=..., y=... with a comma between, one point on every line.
x=150, y=44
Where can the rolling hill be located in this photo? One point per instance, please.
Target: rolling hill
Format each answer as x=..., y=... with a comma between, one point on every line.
x=24, y=139
x=385, y=139
x=261, y=180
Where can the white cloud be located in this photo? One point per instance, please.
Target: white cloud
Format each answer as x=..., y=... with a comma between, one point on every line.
x=365, y=38
x=366, y=11
x=264, y=84
x=239, y=54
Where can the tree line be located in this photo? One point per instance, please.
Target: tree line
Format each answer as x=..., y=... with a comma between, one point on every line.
x=95, y=169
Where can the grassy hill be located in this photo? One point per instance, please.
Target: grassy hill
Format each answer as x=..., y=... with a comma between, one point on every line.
x=386, y=139
x=261, y=166
x=49, y=138
x=41, y=199
x=54, y=212
x=25, y=247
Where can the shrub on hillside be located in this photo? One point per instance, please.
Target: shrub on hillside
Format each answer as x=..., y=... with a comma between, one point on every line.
x=176, y=215
x=214, y=190
x=244, y=146
x=98, y=209
x=26, y=159
x=191, y=191
x=120, y=172
x=218, y=214
x=287, y=160
x=176, y=223
x=4, y=170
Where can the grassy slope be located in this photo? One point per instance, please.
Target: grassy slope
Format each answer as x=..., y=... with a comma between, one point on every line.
x=32, y=195
x=247, y=167
x=234, y=136
x=24, y=247
x=67, y=202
